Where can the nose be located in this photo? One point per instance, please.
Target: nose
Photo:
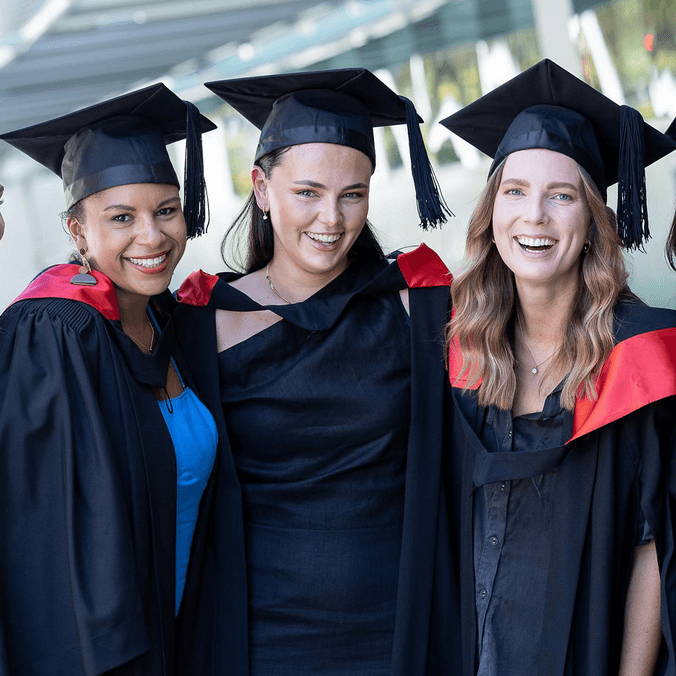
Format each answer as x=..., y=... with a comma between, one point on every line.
x=330, y=214
x=149, y=231
x=536, y=211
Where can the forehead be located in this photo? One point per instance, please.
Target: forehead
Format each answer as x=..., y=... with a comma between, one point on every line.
x=132, y=193
x=539, y=164
x=322, y=157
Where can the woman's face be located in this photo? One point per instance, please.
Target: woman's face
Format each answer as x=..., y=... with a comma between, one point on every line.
x=318, y=199
x=2, y=220
x=540, y=217
x=134, y=234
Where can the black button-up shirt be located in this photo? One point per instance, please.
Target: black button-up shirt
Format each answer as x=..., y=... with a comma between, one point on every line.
x=512, y=538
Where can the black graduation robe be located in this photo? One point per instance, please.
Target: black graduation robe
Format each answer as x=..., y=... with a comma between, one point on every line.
x=427, y=597
x=87, y=488
x=618, y=461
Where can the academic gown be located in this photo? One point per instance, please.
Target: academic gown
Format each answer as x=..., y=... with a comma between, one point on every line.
x=616, y=463
x=87, y=488
x=426, y=604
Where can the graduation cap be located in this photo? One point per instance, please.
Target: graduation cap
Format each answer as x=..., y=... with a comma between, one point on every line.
x=122, y=141
x=548, y=107
x=671, y=132
x=333, y=106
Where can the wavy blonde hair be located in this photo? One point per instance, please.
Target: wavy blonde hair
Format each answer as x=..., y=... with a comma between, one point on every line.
x=484, y=300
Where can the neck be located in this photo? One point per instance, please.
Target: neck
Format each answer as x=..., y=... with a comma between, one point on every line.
x=133, y=309
x=545, y=312
x=296, y=284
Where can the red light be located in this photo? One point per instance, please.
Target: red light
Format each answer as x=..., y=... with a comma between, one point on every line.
x=649, y=41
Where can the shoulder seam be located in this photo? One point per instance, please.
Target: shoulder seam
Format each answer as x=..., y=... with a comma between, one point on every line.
x=74, y=314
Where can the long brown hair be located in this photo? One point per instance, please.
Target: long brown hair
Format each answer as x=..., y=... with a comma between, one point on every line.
x=484, y=300
x=253, y=235
x=671, y=244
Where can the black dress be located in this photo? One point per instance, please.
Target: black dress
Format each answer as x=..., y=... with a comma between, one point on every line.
x=334, y=416
x=559, y=522
x=318, y=423
x=87, y=489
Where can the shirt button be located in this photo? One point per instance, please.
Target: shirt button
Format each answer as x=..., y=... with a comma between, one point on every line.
x=503, y=487
x=509, y=434
x=483, y=593
x=494, y=540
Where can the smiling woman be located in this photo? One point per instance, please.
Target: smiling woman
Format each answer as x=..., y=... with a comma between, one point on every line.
x=330, y=545
x=107, y=451
x=562, y=453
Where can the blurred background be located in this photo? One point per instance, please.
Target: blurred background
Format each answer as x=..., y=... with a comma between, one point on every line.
x=60, y=55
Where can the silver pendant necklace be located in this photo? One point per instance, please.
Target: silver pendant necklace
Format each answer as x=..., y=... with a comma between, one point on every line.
x=535, y=369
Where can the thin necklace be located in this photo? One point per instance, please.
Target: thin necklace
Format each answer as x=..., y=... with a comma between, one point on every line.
x=272, y=286
x=535, y=368
x=152, y=336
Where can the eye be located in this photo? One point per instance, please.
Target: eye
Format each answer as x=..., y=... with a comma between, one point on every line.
x=166, y=211
x=2, y=202
x=513, y=191
x=353, y=195
x=121, y=218
x=562, y=197
x=306, y=192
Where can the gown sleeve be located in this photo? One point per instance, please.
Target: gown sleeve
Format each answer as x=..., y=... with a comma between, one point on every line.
x=69, y=594
x=665, y=537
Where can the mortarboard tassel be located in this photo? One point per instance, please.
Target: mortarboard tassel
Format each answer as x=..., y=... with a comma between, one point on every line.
x=632, y=208
x=432, y=207
x=195, y=199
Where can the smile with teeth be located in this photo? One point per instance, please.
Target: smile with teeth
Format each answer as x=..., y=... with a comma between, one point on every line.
x=324, y=239
x=535, y=243
x=150, y=262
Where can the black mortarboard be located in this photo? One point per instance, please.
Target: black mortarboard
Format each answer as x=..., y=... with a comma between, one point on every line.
x=333, y=106
x=548, y=107
x=123, y=141
x=671, y=132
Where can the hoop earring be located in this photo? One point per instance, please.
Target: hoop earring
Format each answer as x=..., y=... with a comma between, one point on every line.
x=586, y=247
x=84, y=276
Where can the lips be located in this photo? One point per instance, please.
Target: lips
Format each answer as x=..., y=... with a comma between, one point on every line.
x=535, y=244
x=149, y=262
x=324, y=238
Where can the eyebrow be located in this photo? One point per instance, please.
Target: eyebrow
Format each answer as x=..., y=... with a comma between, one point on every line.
x=550, y=186
x=126, y=207
x=321, y=186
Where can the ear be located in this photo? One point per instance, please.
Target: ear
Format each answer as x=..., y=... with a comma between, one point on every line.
x=260, y=188
x=76, y=232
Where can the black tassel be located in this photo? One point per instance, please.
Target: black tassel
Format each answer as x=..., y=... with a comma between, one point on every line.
x=195, y=199
x=632, y=207
x=432, y=207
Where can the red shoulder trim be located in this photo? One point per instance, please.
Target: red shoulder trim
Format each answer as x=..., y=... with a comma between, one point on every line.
x=55, y=283
x=422, y=267
x=639, y=371
x=197, y=288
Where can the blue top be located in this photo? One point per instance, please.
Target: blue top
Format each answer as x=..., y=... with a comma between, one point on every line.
x=193, y=433
x=318, y=422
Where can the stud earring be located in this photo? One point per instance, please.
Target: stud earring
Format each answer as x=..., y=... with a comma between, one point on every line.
x=84, y=276
x=587, y=246
x=265, y=215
